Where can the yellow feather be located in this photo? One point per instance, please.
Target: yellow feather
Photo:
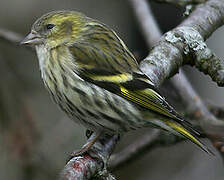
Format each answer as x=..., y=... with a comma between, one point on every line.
x=120, y=78
x=180, y=129
x=137, y=97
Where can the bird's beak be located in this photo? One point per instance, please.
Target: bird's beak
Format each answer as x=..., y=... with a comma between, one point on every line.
x=32, y=38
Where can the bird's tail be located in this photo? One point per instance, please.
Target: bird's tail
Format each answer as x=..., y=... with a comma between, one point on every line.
x=188, y=132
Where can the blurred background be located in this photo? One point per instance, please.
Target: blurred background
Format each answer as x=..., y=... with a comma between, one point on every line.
x=36, y=138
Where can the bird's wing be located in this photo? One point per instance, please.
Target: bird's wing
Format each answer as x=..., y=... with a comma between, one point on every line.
x=127, y=81
x=103, y=59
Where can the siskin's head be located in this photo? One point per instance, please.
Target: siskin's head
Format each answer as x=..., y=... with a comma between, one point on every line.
x=56, y=28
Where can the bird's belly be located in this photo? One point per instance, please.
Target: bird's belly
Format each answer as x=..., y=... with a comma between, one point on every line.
x=97, y=109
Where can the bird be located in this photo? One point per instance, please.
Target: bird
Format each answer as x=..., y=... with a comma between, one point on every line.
x=94, y=78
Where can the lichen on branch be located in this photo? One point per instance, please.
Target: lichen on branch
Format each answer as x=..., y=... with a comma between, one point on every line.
x=185, y=44
x=197, y=52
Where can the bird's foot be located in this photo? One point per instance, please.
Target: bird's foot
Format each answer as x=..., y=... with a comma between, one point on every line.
x=86, y=147
x=96, y=148
x=104, y=172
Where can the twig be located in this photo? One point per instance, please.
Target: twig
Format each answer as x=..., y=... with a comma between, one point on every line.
x=10, y=36
x=147, y=23
x=135, y=149
x=13, y=37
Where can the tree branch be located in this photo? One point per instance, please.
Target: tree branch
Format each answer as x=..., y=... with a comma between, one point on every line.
x=179, y=45
x=134, y=150
x=10, y=36
x=92, y=164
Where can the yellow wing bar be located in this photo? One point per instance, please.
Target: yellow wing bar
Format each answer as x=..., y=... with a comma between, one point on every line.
x=148, y=99
x=119, y=78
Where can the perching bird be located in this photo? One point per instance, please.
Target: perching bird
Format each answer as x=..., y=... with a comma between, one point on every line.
x=96, y=80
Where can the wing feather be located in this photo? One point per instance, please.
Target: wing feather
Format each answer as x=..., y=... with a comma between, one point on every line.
x=151, y=100
x=113, y=67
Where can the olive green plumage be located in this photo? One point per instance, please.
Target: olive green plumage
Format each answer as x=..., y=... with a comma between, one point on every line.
x=96, y=80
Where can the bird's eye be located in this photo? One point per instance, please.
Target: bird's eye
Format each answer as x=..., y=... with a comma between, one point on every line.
x=50, y=26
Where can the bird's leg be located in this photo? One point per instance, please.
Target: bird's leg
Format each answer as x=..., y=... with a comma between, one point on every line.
x=99, y=146
x=86, y=147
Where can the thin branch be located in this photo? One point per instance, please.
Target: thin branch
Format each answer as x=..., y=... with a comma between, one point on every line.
x=135, y=149
x=147, y=23
x=11, y=36
x=143, y=145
